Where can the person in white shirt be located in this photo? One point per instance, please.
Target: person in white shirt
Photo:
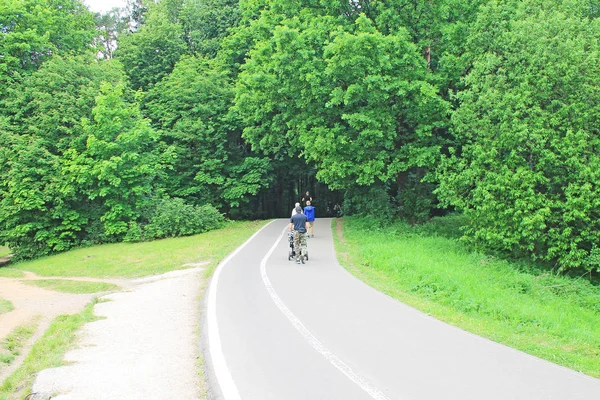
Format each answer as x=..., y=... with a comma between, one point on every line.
x=294, y=212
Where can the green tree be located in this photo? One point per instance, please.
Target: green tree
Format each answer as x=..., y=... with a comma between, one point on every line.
x=343, y=95
x=150, y=53
x=206, y=22
x=209, y=163
x=31, y=31
x=118, y=165
x=527, y=173
x=110, y=26
x=40, y=211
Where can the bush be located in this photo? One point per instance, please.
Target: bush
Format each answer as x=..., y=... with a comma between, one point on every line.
x=173, y=218
x=372, y=201
x=527, y=173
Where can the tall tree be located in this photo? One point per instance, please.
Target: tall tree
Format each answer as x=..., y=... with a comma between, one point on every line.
x=118, y=165
x=209, y=161
x=528, y=171
x=110, y=26
x=206, y=23
x=150, y=53
x=40, y=210
x=31, y=31
x=342, y=94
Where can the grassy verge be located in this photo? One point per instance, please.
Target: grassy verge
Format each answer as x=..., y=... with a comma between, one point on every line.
x=78, y=287
x=11, y=346
x=4, y=251
x=48, y=352
x=140, y=259
x=5, y=306
x=551, y=317
x=10, y=273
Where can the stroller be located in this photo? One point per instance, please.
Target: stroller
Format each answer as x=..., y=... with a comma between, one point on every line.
x=292, y=251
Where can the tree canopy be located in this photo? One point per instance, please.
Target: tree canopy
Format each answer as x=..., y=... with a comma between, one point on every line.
x=111, y=123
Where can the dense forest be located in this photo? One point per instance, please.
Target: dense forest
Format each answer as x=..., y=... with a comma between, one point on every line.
x=157, y=119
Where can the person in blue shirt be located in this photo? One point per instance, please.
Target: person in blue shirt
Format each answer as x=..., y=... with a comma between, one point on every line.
x=309, y=211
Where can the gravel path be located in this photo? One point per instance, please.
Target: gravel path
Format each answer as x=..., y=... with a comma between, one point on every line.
x=145, y=347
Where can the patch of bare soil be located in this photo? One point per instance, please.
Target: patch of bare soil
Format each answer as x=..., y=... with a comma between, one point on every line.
x=5, y=260
x=34, y=303
x=151, y=324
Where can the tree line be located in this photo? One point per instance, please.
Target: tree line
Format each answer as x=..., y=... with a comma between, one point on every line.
x=111, y=123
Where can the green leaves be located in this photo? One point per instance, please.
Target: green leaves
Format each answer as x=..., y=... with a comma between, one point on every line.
x=118, y=164
x=150, y=54
x=347, y=97
x=33, y=30
x=527, y=172
x=208, y=163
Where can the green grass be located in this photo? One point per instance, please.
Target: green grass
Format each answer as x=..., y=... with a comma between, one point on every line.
x=4, y=251
x=78, y=287
x=552, y=317
x=11, y=346
x=48, y=352
x=130, y=260
x=5, y=306
x=6, y=272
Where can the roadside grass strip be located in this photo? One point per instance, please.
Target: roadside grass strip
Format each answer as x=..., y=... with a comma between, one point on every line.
x=11, y=346
x=77, y=287
x=131, y=260
x=556, y=318
x=4, y=251
x=48, y=352
x=5, y=306
x=6, y=272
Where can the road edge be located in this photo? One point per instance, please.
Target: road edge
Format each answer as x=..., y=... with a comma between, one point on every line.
x=219, y=382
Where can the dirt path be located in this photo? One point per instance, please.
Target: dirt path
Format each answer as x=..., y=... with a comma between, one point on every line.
x=33, y=304
x=144, y=347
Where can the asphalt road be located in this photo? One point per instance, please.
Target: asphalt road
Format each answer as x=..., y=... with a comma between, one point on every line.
x=282, y=331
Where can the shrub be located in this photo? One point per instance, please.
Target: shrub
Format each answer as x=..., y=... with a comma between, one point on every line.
x=173, y=217
x=373, y=201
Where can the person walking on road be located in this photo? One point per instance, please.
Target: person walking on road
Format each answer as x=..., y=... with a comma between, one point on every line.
x=294, y=209
x=299, y=226
x=306, y=198
x=309, y=211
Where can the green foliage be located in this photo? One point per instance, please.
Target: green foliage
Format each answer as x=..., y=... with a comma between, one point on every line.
x=374, y=202
x=528, y=171
x=438, y=28
x=150, y=53
x=31, y=31
x=170, y=29
x=62, y=174
x=206, y=159
x=206, y=22
x=174, y=218
x=110, y=26
x=354, y=101
x=118, y=165
x=40, y=211
x=51, y=102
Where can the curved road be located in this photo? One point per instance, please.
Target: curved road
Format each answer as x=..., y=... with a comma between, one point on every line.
x=281, y=331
